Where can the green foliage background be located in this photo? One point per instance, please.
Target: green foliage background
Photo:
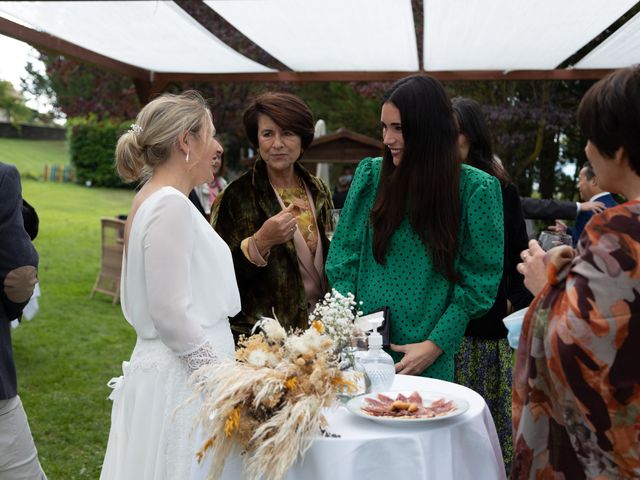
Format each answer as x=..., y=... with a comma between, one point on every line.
x=91, y=146
x=13, y=104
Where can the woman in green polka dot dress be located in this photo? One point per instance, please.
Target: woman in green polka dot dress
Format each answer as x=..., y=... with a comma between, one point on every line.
x=420, y=232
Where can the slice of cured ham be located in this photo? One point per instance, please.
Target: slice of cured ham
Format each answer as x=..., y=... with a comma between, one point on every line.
x=406, y=407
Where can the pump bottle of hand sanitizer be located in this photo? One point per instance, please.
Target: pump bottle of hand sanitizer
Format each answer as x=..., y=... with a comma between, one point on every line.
x=377, y=363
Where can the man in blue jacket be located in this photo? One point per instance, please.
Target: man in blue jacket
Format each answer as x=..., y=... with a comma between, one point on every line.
x=18, y=274
x=589, y=192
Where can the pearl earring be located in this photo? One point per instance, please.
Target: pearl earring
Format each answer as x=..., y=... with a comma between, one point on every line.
x=187, y=159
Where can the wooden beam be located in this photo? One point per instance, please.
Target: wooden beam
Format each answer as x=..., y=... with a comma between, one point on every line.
x=557, y=74
x=57, y=45
x=301, y=77
x=147, y=91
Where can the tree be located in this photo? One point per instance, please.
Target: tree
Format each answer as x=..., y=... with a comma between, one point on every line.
x=533, y=125
x=342, y=105
x=12, y=105
x=79, y=89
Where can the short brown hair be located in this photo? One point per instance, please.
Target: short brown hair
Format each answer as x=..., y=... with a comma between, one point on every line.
x=288, y=111
x=609, y=114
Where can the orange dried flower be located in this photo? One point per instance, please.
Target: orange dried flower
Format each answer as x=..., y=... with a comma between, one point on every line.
x=318, y=326
x=207, y=445
x=233, y=421
x=291, y=383
x=340, y=381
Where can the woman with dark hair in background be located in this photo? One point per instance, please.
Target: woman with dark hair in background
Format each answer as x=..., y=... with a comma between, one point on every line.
x=484, y=362
x=576, y=392
x=419, y=232
x=273, y=217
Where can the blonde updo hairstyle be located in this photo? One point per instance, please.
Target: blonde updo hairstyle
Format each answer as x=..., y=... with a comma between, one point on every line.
x=150, y=141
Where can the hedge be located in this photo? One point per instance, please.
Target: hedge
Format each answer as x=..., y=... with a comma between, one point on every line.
x=92, y=145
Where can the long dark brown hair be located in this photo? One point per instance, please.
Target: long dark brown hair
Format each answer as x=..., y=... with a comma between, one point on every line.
x=472, y=124
x=425, y=185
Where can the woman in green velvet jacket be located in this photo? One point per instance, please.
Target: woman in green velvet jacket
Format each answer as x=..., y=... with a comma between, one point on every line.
x=273, y=218
x=420, y=233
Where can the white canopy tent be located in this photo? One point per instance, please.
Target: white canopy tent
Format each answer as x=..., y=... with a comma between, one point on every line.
x=157, y=42
x=331, y=35
x=154, y=35
x=620, y=50
x=512, y=34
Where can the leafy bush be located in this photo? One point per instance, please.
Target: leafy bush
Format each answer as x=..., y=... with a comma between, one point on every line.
x=92, y=145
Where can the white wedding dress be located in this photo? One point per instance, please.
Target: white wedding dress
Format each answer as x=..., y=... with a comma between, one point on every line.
x=178, y=290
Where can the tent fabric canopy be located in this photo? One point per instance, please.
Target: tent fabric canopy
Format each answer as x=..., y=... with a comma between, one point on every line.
x=156, y=36
x=620, y=50
x=156, y=42
x=332, y=35
x=512, y=34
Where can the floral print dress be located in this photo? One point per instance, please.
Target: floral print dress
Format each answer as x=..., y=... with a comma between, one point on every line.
x=576, y=393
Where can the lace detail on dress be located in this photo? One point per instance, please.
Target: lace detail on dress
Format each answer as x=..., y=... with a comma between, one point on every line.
x=203, y=355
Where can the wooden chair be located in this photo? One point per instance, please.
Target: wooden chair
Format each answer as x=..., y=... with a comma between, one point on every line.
x=108, y=281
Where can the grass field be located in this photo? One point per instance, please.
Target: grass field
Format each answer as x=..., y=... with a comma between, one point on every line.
x=74, y=345
x=31, y=155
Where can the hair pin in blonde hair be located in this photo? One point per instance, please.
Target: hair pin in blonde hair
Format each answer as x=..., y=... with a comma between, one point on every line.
x=135, y=128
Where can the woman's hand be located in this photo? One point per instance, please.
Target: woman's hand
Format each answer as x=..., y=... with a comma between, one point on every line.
x=276, y=230
x=417, y=357
x=533, y=267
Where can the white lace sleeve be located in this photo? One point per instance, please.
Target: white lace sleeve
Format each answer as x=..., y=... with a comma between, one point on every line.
x=168, y=252
x=203, y=355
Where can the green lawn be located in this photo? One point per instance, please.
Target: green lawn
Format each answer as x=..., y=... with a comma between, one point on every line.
x=31, y=155
x=69, y=351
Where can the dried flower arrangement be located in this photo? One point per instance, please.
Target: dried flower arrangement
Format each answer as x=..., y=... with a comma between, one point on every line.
x=269, y=400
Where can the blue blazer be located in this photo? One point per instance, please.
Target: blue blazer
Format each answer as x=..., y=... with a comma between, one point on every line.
x=583, y=218
x=18, y=259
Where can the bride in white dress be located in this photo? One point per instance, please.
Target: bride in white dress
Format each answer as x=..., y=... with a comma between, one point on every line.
x=178, y=290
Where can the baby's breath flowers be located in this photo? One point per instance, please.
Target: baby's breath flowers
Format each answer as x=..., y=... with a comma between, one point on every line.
x=334, y=316
x=269, y=400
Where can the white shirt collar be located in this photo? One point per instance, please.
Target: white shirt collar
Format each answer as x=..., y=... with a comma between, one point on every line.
x=598, y=195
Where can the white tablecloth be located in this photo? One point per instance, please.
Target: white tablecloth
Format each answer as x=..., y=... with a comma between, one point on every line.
x=463, y=447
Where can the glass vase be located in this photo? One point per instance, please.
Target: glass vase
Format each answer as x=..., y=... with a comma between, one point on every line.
x=355, y=373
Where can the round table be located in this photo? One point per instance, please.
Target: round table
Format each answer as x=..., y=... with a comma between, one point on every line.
x=462, y=447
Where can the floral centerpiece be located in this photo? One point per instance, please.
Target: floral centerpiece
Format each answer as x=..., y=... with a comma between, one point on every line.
x=269, y=400
x=335, y=316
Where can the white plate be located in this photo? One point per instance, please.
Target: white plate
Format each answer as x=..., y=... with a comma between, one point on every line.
x=461, y=405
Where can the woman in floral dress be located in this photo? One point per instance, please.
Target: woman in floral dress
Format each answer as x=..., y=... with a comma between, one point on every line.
x=576, y=393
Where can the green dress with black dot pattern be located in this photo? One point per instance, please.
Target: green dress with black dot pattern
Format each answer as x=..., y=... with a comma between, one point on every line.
x=424, y=304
